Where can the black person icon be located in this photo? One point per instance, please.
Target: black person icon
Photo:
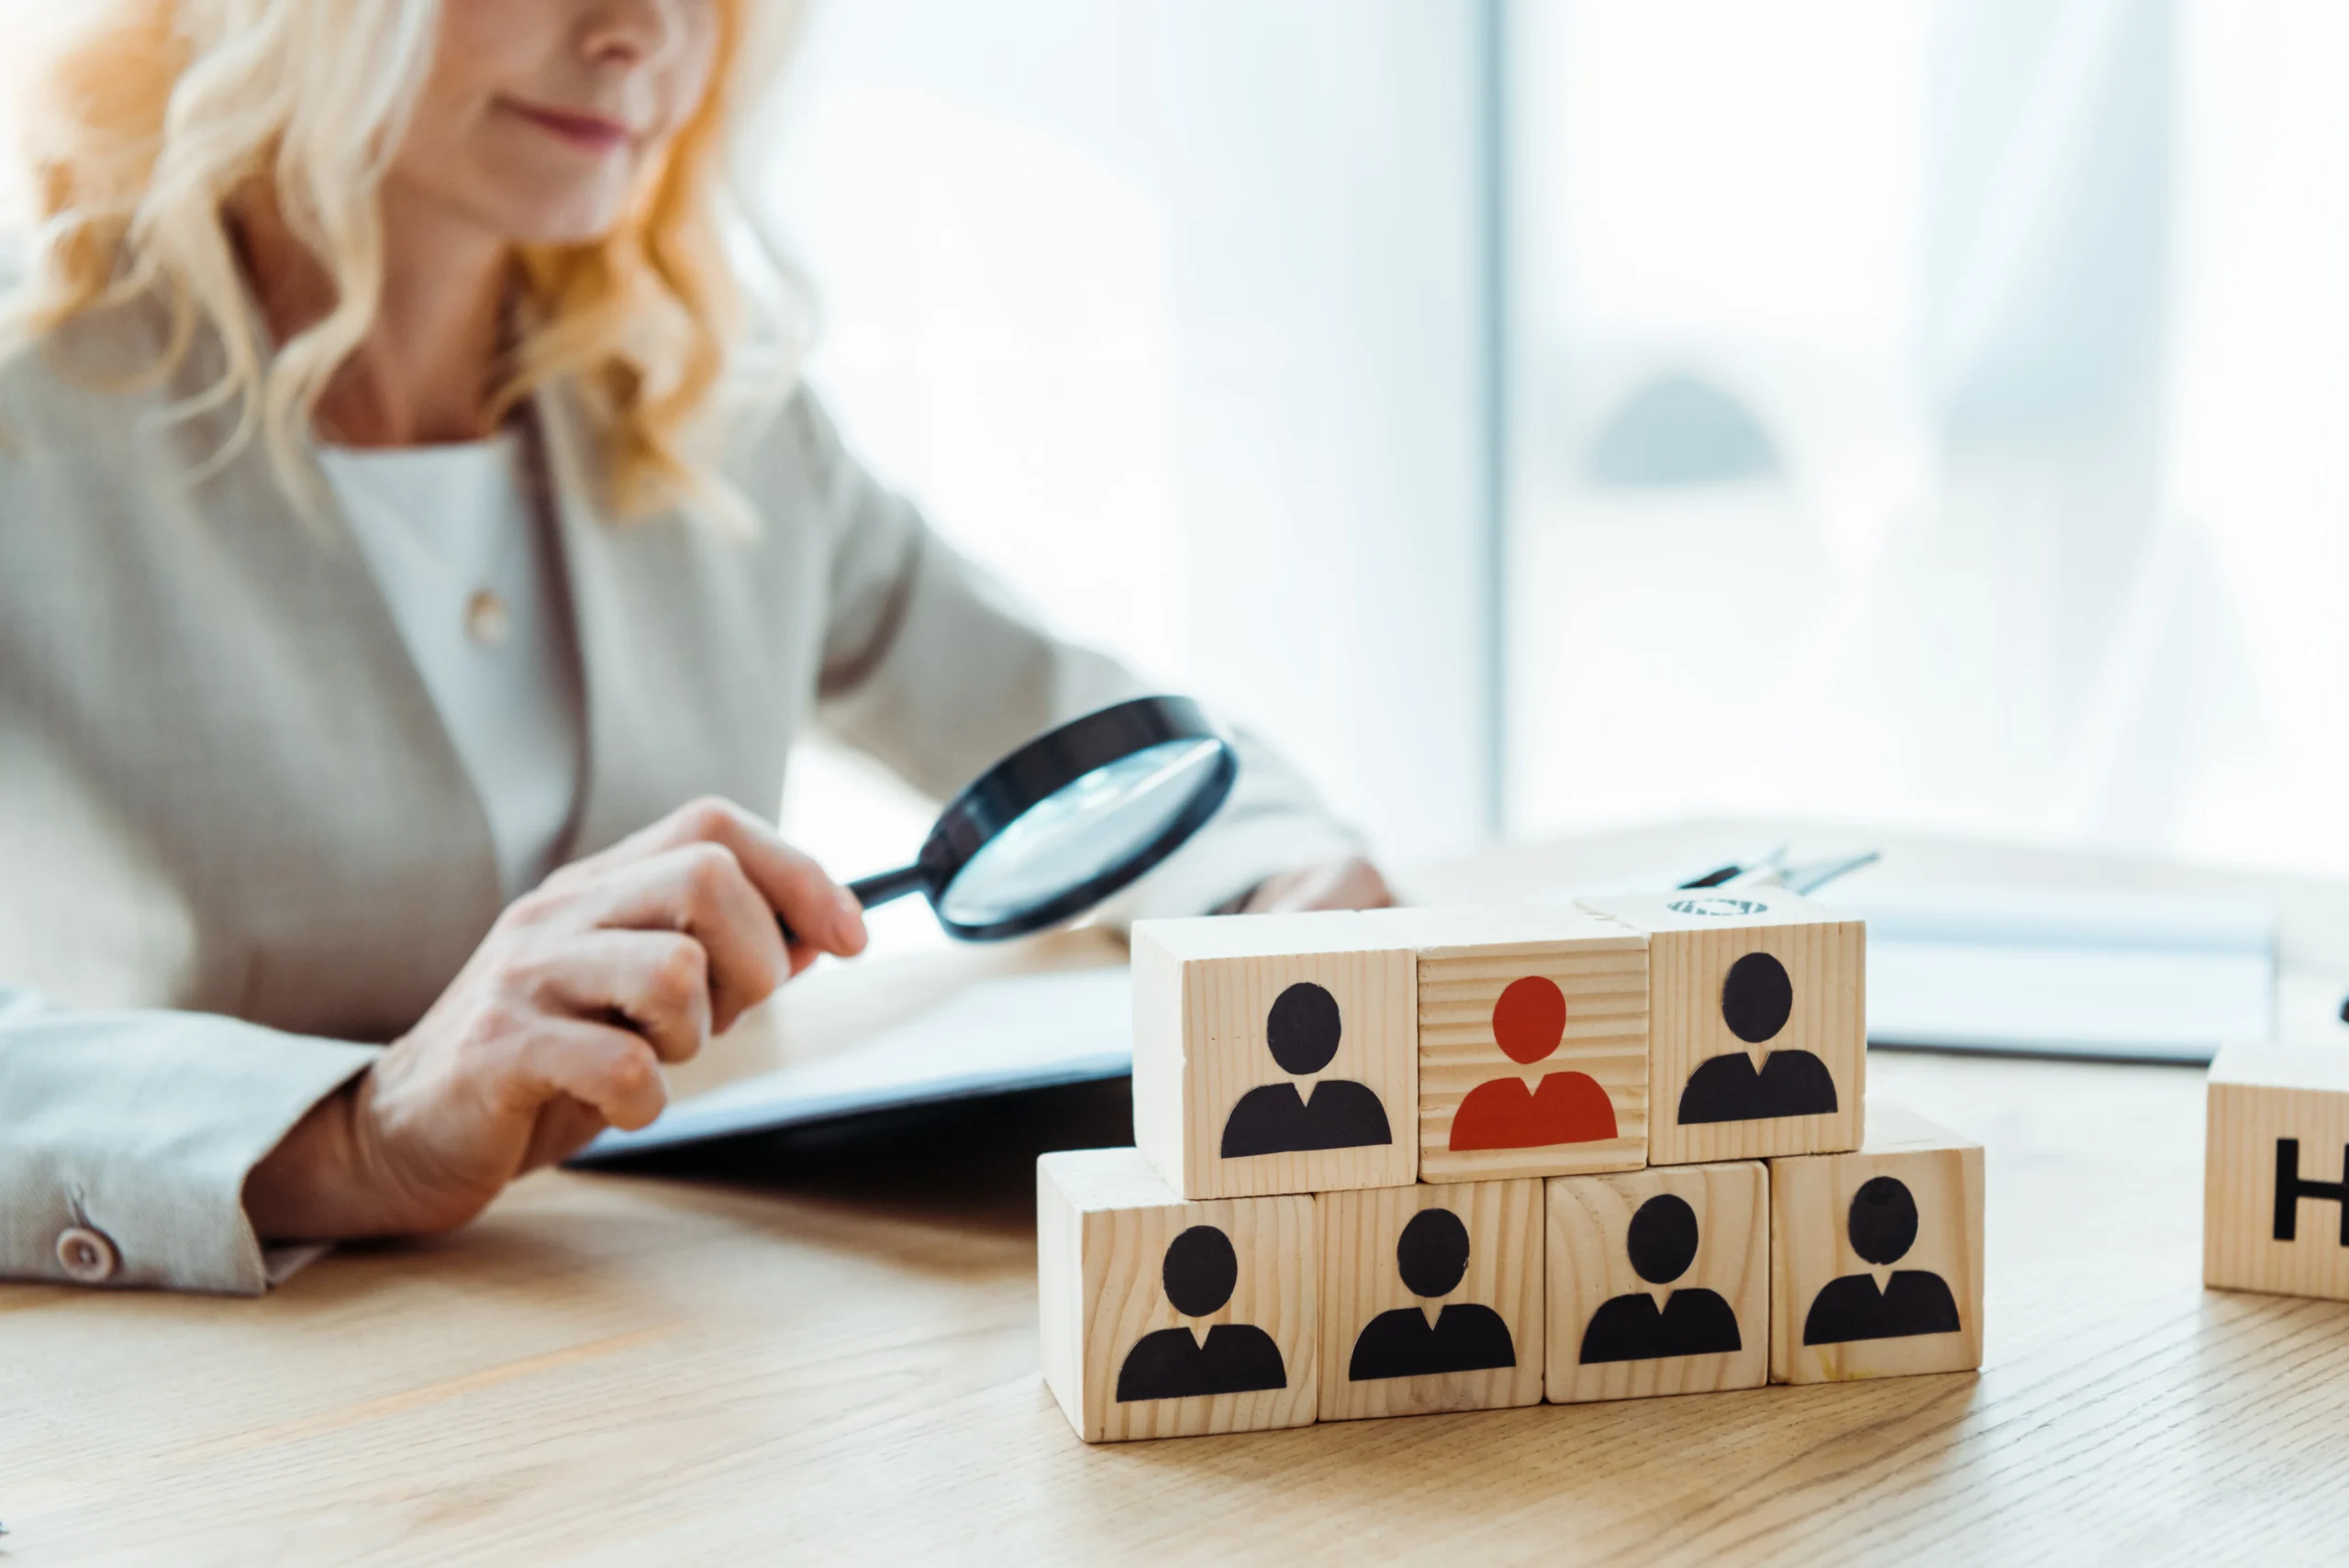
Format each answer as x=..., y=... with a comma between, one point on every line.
x=1662, y=1242
x=1432, y=1257
x=1883, y=1226
x=1302, y=1031
x=1757, y=998
x=1200, y=1272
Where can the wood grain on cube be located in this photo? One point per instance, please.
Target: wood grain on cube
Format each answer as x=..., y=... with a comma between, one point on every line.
x=1697, y=1294
x=1876, y=1255
x=1275, y=1053
x=1431, y=1298
x=1116, y=1344
x=1532, y=1041
x=2276, y=1178
x=1757, y=1023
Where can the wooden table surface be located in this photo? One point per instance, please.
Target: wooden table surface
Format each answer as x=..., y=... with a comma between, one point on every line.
x=832, y=1357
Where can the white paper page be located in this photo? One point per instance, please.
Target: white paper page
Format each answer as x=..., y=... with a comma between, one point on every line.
x=2062, y=971
x=1021, y=1032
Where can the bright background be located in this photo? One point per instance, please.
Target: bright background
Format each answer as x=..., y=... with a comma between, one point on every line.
x=1928, y=413
x=1915, y=412
x=1173, y=312
x=1535, y=415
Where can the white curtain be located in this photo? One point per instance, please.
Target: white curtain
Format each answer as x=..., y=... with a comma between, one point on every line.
x=1924, y=413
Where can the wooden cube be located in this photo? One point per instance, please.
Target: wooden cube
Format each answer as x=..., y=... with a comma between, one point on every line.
x=1875, y=1256
x=1164, y=1318
x=1275, y=1053
x=1757, y=1023
x=1431, y=1298
x=1659, y=1282
x=2276, y=1179
x=1532, y=1041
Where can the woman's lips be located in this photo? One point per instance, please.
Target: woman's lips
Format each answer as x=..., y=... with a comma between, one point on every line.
x=594, y=133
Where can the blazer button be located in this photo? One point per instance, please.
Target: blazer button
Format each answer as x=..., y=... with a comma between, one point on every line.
x=488, y=620
x=87, y=1255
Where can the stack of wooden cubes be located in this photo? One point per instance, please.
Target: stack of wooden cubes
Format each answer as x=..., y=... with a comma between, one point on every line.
x=1411, y=1161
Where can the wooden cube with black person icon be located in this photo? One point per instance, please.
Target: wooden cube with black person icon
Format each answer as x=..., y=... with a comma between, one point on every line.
x=1658, y=1282
x=1532, y=1041
x=2276, y=1178
x=1876, y=1255
x=1162, y=1318
x=1275, y=1053
x=1431, y=1298
x=1757, y=1023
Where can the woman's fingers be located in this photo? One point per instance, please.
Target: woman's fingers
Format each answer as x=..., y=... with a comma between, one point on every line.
x=823, y=916
x=700, y=889
x=656, y=983
x=559, y=1025
x=1353, y=884
x=609, y=1069
x=564, y=1126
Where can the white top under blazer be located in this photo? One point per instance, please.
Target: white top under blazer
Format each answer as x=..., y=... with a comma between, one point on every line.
x=470, y=578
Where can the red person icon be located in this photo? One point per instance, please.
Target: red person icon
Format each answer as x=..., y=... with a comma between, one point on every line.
x=1528, y=1022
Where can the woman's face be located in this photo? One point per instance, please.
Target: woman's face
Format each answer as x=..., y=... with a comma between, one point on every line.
x=539, y=115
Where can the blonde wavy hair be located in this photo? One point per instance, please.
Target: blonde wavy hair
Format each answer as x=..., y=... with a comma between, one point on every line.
x=145, y=120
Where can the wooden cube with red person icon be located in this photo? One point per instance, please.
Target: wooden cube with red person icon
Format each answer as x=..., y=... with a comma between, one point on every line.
x=1532, y=1041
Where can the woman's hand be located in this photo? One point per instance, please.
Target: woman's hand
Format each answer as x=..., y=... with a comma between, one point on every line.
x=1351, y=883
x=557, y=1027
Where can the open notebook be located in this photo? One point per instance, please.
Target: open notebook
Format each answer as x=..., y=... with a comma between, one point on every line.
x=1028, y=1031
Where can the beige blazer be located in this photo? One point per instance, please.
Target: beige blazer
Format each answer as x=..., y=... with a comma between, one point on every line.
x=237, y=848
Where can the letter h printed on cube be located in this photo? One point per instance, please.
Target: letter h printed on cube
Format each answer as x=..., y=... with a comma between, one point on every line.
x=1757, y=1023
x=1274, y=1054
x=2276, y=1180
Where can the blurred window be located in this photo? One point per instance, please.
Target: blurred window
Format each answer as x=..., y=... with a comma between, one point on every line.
x=1918, y=411
x=1923, y=412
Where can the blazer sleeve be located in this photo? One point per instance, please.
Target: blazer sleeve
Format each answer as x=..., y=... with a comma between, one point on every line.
x=933, y=667
x=141, y=1128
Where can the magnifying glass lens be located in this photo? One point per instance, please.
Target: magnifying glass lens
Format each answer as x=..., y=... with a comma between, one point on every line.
x=1087, y=827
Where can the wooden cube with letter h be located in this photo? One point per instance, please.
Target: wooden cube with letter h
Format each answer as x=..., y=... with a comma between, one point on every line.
x=1274, y=1054
x=1161, y=1317
x=1659, y=1282
x=1876, y=1255
x=1757, y=1023
x=1431, y=1298
x=2276, y=1181
x=1532, y=1041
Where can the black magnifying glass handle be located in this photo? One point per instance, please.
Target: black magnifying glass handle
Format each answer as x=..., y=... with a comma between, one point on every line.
x=882, y=887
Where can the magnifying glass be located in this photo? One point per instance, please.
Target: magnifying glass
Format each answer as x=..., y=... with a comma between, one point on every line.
x=1068, y=819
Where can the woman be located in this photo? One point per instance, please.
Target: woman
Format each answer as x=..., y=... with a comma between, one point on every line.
x=384, y=524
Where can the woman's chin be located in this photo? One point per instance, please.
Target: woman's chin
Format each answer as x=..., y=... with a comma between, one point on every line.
x=588, y=224
x=572, y=213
